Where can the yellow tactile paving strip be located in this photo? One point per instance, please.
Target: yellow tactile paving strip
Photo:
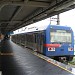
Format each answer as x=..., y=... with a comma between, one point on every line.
x=54, y=62
x=6, y=53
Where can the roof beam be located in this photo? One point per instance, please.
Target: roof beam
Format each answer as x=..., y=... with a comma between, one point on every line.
x=37, y=4
x=17, y=12
x=64, y=6
x=10, y=22
x=1, y=6
x=25, y=3
x=50, y=9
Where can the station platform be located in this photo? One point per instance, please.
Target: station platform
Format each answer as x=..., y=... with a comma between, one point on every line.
x=16, y=60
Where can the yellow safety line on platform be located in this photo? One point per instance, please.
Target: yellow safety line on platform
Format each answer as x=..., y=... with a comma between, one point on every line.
x=53, y=63
x=60, y=66
x=6, y=54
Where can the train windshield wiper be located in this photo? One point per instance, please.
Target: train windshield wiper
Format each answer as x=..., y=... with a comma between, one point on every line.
x=57, y=42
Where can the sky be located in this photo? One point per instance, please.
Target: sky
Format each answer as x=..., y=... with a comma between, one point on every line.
x=68, y=19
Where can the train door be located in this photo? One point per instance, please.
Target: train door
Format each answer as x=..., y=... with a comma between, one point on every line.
x=39, y=41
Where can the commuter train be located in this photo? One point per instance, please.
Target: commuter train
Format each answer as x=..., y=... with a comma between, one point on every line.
x=51, y=40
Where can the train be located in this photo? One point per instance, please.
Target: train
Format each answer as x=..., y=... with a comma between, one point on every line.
x=54, y=41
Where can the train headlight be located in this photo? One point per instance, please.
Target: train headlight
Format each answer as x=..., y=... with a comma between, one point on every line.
x=70, y=49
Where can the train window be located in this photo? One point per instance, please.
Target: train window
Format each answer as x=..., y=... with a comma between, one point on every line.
x=60, y=36
x=30, y=38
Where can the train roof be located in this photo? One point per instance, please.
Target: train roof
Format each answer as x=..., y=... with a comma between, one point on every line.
x=39, y=26
x=35, y=27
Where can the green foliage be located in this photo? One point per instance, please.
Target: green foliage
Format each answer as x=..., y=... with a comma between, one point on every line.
x=73, y=61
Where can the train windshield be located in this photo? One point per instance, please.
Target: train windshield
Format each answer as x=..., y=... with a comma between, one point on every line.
x=60, y=36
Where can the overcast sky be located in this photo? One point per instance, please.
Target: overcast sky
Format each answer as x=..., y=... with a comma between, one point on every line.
x=68, y=18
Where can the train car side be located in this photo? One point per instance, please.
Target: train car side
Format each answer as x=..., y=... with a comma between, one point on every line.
x=52, y=41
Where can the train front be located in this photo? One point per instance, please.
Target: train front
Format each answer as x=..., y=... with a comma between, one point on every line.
x=60, y=42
